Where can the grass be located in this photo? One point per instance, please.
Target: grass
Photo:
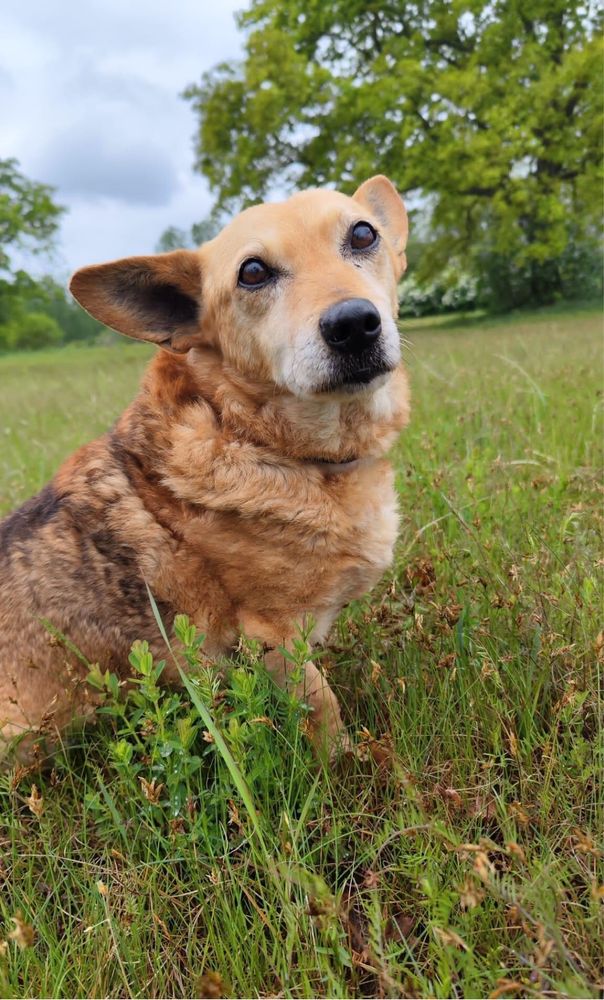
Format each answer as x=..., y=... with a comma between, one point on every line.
x=191, y=846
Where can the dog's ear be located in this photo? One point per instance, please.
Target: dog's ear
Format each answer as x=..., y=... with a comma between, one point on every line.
x=156, y=298
x=381, y=197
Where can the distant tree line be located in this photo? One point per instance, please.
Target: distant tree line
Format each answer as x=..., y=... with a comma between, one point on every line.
x=34, y=313
x=37, y=313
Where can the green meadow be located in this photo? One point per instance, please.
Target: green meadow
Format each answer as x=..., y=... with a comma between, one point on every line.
x=190, y=844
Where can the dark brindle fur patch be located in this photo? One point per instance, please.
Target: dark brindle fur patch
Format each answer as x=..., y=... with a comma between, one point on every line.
x=34, y=514
x=78, y=574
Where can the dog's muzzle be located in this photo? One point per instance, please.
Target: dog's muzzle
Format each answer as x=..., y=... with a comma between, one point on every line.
x=352, y=330
x=352, y=326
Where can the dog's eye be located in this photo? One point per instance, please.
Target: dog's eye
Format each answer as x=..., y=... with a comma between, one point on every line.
x=253, y=273
x=362, y=236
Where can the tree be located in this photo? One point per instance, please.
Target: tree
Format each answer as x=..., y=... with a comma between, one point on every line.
x=33, y=313
x=488, y=111
x=174, y=238
x=29, y=218
x=23, y=296
x=45, y=295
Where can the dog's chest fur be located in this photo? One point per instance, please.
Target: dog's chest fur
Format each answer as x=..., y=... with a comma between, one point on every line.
x=252, y=547
x=310, y=558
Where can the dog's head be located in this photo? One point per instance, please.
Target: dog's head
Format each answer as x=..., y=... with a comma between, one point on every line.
x=301, y=294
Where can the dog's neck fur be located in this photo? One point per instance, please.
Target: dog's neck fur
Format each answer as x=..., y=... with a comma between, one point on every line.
x=334, y=432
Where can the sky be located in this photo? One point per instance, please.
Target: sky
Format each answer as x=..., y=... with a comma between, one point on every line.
x=89, y=102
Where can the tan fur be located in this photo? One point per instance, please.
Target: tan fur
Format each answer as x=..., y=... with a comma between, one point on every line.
x=216, y=487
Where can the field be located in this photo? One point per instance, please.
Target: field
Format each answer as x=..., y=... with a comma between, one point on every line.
x=191, y=846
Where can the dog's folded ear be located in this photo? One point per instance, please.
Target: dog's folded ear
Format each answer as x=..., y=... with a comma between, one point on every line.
x=383, y=200
x=155, y=298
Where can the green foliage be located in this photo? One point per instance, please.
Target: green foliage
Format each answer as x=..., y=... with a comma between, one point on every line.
x=29, y=217
x=490, y=112
x=174, y=238
x=452, y=291
x=33, y=313
x=500, y=282
x=30, y=332
x=576, y=274
x=47, y=295
x=458, y=851
x=166, y=763
x=22, y=296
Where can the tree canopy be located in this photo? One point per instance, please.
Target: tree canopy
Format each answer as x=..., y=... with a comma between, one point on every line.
x=488, y=111
x=33, y=312
x=29, y=217
x=173, y=238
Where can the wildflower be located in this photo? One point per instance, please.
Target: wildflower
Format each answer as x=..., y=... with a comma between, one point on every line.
x=151, y=790
x=35, y=801
x=470, y=895
x=23, y=934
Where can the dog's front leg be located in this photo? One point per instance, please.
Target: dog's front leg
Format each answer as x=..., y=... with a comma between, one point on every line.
x=327, y=731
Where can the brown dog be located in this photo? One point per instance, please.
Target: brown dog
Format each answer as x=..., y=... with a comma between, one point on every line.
x=246, y=485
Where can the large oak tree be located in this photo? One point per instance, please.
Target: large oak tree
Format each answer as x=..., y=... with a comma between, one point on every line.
x=488, y=110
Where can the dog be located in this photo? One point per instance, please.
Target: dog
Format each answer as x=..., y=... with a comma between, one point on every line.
x=246, y=485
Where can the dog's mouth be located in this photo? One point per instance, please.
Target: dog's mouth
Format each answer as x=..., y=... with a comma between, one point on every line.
x=363, y=376
x=353, y=375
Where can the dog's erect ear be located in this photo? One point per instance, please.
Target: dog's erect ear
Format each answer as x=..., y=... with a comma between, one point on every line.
x=381, y=197
x=156, y=298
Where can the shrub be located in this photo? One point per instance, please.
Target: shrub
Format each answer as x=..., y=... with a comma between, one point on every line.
x=575, y=274
x=32, y=331
x=454, y=292
x=177, y=756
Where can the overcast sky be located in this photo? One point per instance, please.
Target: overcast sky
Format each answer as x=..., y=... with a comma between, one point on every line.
x=89, y=102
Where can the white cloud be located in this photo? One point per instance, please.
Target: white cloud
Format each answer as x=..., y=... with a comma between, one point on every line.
x=93, y=163
x=90, y=96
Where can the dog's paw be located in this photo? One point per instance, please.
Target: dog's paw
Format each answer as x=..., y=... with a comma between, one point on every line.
x=325, y=727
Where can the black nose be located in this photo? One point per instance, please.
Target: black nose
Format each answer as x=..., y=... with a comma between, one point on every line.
x=351, y=326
